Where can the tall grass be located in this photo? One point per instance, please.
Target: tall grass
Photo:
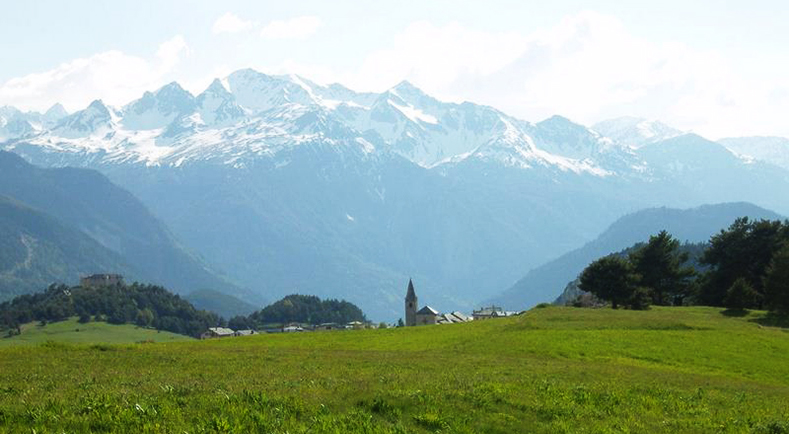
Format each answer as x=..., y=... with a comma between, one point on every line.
x=552, y=370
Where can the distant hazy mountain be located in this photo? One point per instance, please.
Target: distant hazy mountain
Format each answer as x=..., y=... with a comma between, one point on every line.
x=546, y=282
x=635, y=132
x=774, y=150
x=36, y=250
x=692, y=167
x=294, y=187
x=88, y=202
x=222, y=304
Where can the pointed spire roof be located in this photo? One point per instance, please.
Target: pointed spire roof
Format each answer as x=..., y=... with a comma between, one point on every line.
x=410, y=295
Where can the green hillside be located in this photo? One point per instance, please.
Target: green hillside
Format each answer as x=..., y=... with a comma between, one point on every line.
x=693, y=225
x=552, y=370
x=36, y=249
x=71, y=331
x=85, y=201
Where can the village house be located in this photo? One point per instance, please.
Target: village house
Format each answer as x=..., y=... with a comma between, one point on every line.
x=218, y=332
x=354, y=325
x=491, y=312
x=427, y=315
x=101, y=280
x=245, y=332
x=452, y=318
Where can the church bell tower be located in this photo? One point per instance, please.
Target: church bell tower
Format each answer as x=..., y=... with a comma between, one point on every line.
x=410, y=305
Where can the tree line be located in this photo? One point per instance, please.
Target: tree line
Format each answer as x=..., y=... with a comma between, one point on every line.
x=144, y=305
x=743, y=267
x=305, y=309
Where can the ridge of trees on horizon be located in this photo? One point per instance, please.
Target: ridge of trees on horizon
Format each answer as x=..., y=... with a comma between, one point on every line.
x=303, y=309
x=155, y=307
x=743, y=267
x=144, y=305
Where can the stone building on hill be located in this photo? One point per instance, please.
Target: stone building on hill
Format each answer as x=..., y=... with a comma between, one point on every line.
x=100, y=280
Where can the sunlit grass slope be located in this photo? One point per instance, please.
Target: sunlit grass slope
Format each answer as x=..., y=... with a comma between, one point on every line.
x=551, y=370
x=71, y=331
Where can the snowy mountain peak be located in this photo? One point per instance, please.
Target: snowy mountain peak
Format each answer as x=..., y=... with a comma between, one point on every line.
x=561, y=136
x=173, y=92
x=98, y=108
x=93, y=119
x=405, y=87
x=158, y=109
x=216, y=105
x=260, y=92
x=407, y=93
x=635, y=132
x=56, y=112
x=561, y=122
x=216, y=88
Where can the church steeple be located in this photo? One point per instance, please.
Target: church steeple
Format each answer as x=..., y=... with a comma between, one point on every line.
x=410, y=295
x=411, y=305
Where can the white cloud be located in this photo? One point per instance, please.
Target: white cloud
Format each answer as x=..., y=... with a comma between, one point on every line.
x=230, y=23
x=436, y=56
x=170, y=53
x=295, y=28
x=587, y=67
x=113, y=76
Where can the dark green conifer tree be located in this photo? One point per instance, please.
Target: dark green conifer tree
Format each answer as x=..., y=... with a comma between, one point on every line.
x=610, y=278
x=659, y=263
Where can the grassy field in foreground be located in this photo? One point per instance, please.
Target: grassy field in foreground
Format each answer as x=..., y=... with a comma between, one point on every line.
x=551, y=370
x=71, y=331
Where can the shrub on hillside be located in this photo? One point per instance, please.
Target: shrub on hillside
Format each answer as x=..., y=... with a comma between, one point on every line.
x=741, y=295
x=640, y=299
x=586, y=300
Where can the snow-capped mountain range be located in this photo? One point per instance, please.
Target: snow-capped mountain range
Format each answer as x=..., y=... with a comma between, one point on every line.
x=249, y=114
x=290, y=186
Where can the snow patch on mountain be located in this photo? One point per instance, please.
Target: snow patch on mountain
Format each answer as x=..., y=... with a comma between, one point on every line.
x=414, y=114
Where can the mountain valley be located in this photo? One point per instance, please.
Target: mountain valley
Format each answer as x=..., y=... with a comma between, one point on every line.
x=289, y=186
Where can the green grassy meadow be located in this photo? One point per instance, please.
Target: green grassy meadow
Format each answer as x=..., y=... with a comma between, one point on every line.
x=552, y=370
x=71, y=331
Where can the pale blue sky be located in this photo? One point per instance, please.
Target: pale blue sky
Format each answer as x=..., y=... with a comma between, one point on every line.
x=717, y=67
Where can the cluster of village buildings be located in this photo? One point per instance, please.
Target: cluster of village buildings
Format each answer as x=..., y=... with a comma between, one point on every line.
x=413, y=315
x=224, y=332
x=427, y=315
